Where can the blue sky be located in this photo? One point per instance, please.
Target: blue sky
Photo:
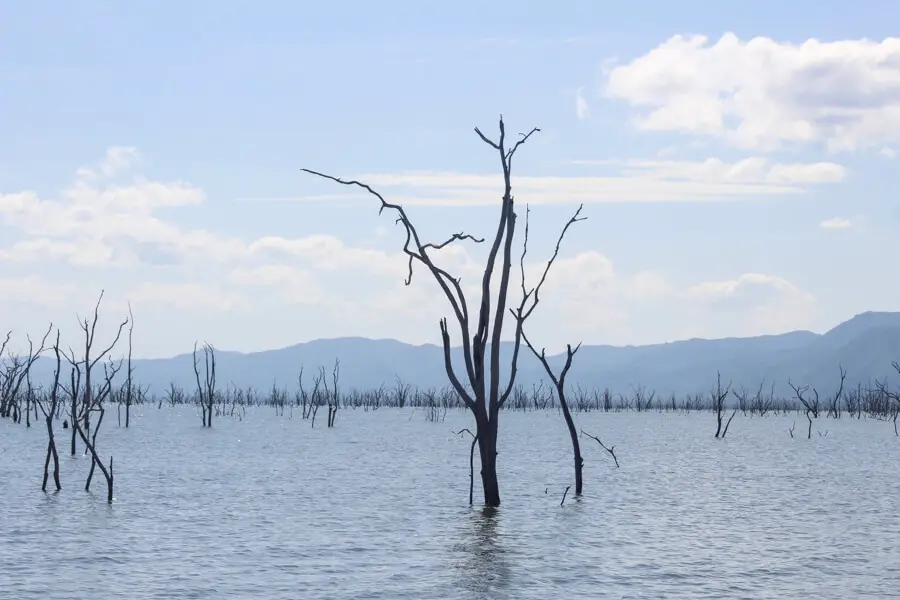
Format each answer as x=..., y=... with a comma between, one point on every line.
x=737, y=185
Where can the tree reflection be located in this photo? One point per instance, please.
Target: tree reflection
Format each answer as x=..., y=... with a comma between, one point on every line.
x=483, y=567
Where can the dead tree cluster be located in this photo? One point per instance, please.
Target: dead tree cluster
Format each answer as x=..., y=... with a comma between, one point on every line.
x=476, y=385
x=309, y=401
x=78, y=392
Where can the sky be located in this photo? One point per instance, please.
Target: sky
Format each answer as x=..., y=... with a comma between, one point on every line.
x=737, y=163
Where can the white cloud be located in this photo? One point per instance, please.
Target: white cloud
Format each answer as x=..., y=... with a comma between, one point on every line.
x=192, y=297
x=762, y=93
x=752, y=304
x=35, y=291
x=752, y=288
x=81, y=225
x=293, y=285
x=188, y=284
x=836, y=223
x=582, y=110
x=81, y=252
x=640, y=181
x=753, y=170
x=327, y=252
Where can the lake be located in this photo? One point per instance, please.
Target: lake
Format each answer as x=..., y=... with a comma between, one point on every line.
x=377, y=507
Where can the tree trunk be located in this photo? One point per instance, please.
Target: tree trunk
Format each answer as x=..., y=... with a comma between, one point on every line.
x=95, y=460
x=51, y=453
x=576, y=447
x=74, y=416
x=487, y=447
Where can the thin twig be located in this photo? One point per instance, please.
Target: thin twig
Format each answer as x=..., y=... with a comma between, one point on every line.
x=611, y=449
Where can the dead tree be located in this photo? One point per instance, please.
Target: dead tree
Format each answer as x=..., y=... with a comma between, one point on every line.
x=315, y=400
x=560, y=384
x=471, y=463
x=206, y=390
x=110, y=369
x=810, y=404
x=92, y=397
x=742, y=402
x=333, y=398
x=763, y=404
x=302, y=398
x=49, y=411
x=834, y=407
x=529, y=302
x=7, y=377
x=401, y=392
x=892, y=398
x=718, y=396
x=85, y=367
x=485, y=394
x=129, y=375
x=17, y=372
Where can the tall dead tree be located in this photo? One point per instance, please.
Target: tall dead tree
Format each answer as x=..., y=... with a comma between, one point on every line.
x=206, y=390
x=85, y=367
x=718, y=395
x=92, y=396
x=485, y=394
x=52, y=404
x=892, y=398
x=811, y=404
x=560, y=384
x=129, y=375
x=834, y=405
x=100, y=396
x=333, y=397
x=529, y=302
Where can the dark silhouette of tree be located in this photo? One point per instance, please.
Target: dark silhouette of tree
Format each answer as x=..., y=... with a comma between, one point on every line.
x=206, y=390
x=485, y=394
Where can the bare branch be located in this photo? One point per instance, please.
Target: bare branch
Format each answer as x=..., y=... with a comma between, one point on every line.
x=531, y=298
x=611, y=450
x=524, y=136
x=488, y=141
x=415, y=249
x=455, y=237
x=5, y=343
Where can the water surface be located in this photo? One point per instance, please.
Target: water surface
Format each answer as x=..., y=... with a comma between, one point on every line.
x=268, y=507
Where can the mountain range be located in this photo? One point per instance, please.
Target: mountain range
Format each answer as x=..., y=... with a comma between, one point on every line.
x=864, y=345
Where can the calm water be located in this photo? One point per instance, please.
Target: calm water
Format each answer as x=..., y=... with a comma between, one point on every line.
x=377, y=508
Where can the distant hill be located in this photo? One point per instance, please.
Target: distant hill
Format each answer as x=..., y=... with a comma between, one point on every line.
x=865, y=345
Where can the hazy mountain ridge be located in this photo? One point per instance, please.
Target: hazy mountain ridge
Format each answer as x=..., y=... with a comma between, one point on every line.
x=865, y=345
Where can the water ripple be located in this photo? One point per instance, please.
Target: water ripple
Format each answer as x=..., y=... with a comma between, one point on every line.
x=376, y=509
